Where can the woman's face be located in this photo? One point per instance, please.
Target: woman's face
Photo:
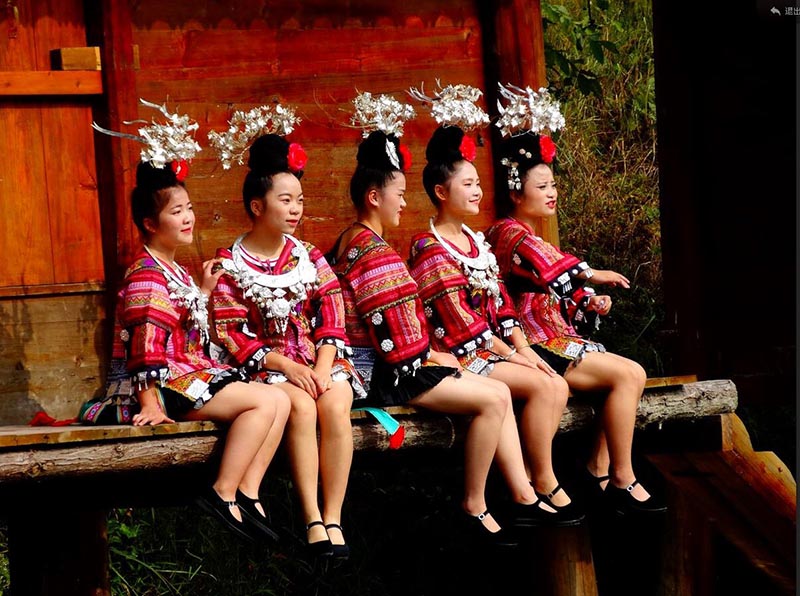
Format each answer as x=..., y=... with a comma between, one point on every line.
x=463, y=193
x=279, y=212
x=539, y=193
x=391, y=200
x=175, y=221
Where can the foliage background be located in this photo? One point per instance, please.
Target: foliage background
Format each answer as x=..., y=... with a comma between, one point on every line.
x=599, y=58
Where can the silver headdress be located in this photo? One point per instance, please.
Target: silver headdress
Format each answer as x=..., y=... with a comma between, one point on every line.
x=172, y=141
x=244, y=127
x=382, y=113
x=528, y=111
x=454, y=105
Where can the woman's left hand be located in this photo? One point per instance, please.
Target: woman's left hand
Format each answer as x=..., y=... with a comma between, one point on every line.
x=210, y=277
x=528, y=353
x=610, y=278
x=322, y=379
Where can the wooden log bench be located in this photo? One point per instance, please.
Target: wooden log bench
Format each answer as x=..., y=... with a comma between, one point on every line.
x=57, y=483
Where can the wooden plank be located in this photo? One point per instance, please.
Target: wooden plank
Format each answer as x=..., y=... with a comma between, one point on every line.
x=706, y=489
x=68, y=145
x=19, y=83
x=27, y=436
x=81, y=58
x=42, y=290
x=668, y=381
x=25, y=241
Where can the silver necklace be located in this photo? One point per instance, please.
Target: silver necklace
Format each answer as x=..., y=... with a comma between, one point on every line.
x=275, y=295
x=481, y=271
x=186, y=294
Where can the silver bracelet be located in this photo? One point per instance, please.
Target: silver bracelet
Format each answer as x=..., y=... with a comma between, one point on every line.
x=508, y=356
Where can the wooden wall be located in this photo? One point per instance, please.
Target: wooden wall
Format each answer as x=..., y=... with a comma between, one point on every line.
x=51, y=282
x=66, y=229
x=315, y=56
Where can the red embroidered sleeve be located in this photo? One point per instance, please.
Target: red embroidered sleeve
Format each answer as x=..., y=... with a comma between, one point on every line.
x=329, y=325
x=148, y=317
x=386, y=299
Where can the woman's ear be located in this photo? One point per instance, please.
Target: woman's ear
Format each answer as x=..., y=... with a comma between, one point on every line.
x=257, y=206
x=149, y=225
x=440, y=191
x=516, y=197
x=372, y=197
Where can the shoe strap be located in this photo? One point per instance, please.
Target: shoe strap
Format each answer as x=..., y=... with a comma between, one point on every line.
x=482, y=516
x=631, y=486
x=553, y=492
x=333, y=527
x=240, y=496
x=314, y=524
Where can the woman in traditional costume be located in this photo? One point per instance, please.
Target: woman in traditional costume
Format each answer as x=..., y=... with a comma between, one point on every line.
x=278, y=311
x=557, y=310
x=469, y=312
x=388, y=331
x=162, y=337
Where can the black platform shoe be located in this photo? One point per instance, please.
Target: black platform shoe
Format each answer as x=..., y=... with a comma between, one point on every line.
x=570, y=514
x=502, y=538
x=533, y=515
x=255, y=521
x=321, y=548
x=624, y=503
x=340, y=551
x=212, y=503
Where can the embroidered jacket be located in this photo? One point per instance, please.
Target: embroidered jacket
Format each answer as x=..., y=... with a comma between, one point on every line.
x=155, y=336
x=383, y=311
x=550, y=297
x=462, y=318
x=318, y=319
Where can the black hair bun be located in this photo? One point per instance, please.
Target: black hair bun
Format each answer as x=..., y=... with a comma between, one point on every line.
x=524, y=149
x=153, y=179
x=269, y=154
x=444, y=147
x=372, y=152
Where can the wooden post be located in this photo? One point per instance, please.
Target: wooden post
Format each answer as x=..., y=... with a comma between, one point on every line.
x=514, y=51
x=55, y=549
x=117, y=174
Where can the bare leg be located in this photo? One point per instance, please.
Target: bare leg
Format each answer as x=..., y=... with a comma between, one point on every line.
x=487, y=404
x=303, y=451
x=624, y=380
x=335, y=452
x=509, y=456
x=251, y=483
x=545, y=399
x=252, y=410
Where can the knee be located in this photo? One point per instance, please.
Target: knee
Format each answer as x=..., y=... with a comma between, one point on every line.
x=559, y=389
x=303, y=411
x=334, y=409
x=635, y=376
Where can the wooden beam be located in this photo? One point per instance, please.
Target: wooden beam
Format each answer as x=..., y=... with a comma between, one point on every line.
x=32, y=453
x=48, y=82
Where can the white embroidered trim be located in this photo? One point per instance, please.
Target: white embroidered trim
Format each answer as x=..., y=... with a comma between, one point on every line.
x=481, y=271
x=275, y=295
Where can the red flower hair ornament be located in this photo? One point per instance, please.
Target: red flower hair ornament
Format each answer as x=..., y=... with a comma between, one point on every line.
x=181, y=169
x=297, y=157
x=468, y=149
x=406, y=155
x=547, y=148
